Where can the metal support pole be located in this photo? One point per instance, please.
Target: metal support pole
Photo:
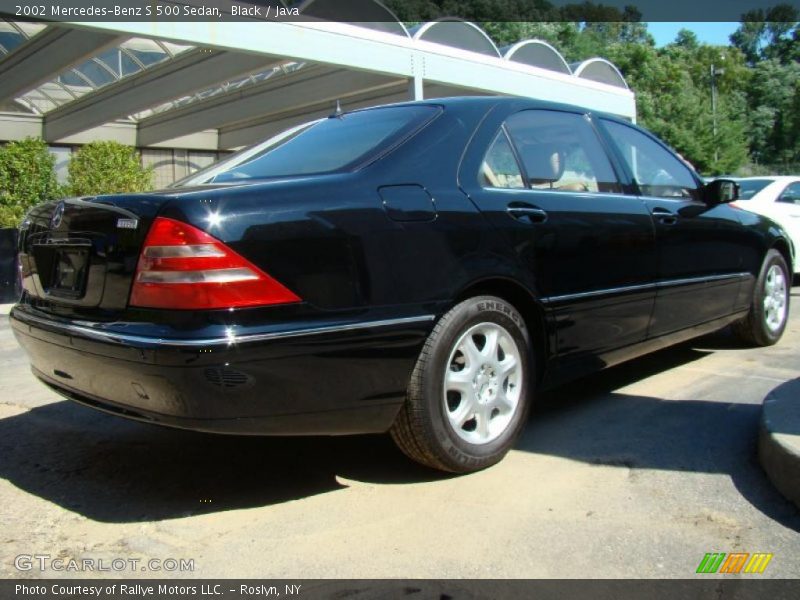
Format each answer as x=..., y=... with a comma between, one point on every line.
x=714, y=100
x=714, y=111
x=415, y=88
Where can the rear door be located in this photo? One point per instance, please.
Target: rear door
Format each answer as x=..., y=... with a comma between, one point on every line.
x=543, y=177
x=700, y=260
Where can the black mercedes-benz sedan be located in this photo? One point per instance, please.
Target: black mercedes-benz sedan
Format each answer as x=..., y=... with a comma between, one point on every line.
x=424, y=269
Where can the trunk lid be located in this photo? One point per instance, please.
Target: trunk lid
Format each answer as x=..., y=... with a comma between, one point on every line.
x=81, y=253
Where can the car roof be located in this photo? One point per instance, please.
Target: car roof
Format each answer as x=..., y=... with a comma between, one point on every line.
x=515, y=101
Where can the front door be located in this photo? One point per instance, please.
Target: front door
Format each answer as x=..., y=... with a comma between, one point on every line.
x=543, y=177
x=699, y=246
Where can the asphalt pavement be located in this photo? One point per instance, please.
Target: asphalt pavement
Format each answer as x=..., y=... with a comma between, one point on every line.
x=638, y=471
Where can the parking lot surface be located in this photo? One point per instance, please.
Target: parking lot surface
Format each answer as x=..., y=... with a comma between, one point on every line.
x=638, y=471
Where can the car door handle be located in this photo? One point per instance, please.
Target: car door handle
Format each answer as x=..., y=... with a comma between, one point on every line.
x=664, y=216
x=527, y=213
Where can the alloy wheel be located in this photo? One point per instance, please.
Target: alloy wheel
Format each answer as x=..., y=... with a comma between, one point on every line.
x=775, y=298
x=482, y=383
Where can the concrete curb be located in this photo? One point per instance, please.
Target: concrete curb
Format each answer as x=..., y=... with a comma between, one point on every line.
x=779, y=439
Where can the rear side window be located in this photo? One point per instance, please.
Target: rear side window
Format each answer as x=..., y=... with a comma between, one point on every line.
x=334, y=144
x=499, y=168
x=560, y=151
x=657, y=171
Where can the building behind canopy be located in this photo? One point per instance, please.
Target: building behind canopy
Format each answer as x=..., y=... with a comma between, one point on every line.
x=186, y=93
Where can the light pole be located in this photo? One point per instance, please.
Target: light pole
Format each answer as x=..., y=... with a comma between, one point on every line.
x=714, y=73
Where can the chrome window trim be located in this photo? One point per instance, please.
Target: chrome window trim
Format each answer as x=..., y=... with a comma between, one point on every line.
x=593, y=195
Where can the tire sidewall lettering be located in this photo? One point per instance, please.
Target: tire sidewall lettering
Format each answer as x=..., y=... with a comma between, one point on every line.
x=472, y=455
x=502, y=308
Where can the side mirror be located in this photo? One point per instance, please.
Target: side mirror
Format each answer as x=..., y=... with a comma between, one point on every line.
x=720, y=191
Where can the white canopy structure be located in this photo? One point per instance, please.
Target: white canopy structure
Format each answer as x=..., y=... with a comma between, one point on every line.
x=217, y=86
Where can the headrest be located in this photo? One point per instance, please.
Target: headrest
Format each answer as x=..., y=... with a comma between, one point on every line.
x=544, y=163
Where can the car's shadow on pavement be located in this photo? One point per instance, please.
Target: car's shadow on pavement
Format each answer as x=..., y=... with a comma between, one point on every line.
x=112, y=470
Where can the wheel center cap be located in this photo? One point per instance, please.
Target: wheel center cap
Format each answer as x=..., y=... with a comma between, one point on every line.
x=777, y=297
x=485, y=384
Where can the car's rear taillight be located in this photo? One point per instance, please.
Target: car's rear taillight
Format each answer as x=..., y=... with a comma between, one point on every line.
x=183, y=267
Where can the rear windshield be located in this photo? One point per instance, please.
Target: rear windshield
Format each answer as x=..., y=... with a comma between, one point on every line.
x=750, y=187
x=337, y=143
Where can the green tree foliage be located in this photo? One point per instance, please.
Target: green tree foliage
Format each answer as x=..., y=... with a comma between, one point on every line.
x=687, y=39
x=27, y=177
x=107, y=168
x=774, y=118
x=689, y=107
x=770, y=34
x=770, y=42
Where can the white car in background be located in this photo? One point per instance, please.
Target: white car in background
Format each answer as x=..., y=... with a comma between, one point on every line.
x=776, y=197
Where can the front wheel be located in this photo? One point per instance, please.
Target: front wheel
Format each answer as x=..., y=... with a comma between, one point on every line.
x=468, y=395
x=769, y=310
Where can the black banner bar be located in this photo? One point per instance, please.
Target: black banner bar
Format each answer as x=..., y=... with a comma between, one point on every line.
x=735, y=588
x=404, y=10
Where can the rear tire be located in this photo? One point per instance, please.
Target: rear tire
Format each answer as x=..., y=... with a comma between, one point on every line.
x=769, y=310
x=468, y=395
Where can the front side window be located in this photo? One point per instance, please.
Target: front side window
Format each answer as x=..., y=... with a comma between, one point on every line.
x=337, y=143
x=657, y=171
x=560, y=151
x=499, y=168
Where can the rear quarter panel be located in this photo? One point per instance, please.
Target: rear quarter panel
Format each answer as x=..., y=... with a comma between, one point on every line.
x=331, y=240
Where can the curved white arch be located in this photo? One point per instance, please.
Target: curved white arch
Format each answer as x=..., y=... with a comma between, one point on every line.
x=377, y=16
x=537, y=53
x=456, y=33
x=600, y=70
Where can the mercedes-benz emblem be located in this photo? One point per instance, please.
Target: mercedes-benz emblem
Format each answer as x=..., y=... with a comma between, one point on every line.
x=58, y=215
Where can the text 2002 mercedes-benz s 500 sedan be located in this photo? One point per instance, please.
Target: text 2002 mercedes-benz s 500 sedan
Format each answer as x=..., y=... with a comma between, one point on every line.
x=422, y=268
